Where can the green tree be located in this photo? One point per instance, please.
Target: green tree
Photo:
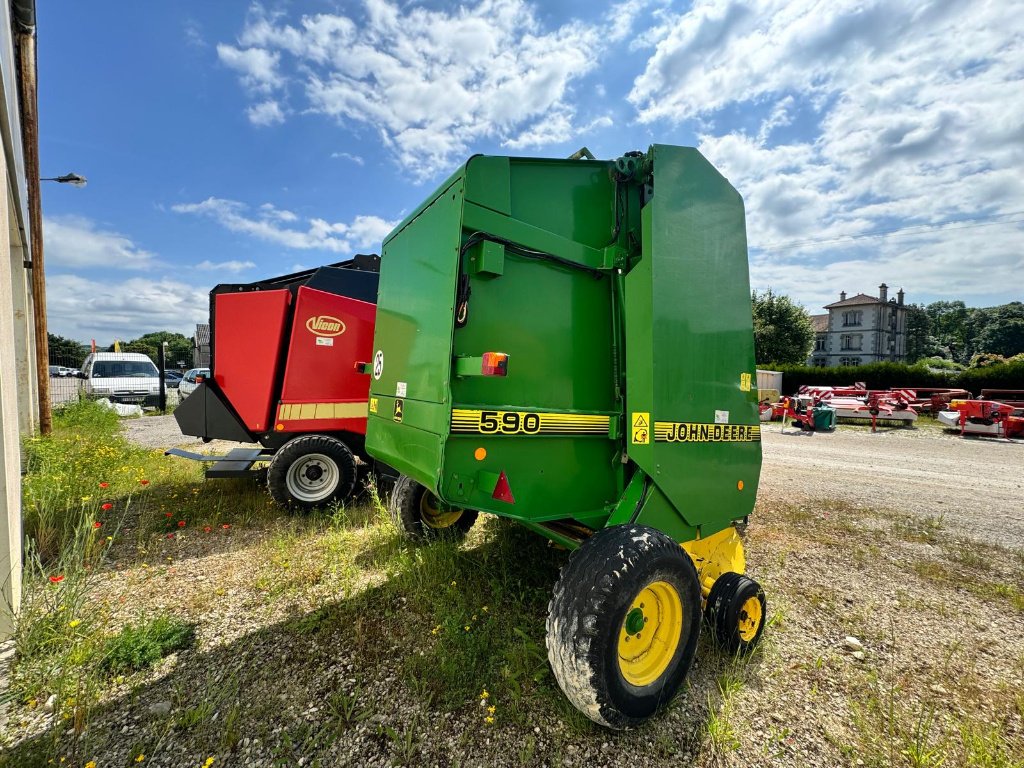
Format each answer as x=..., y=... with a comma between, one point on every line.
x=920, y=341
x=179, y=346
x=951, y=327
x=1000, y=330
x=783, y=332
x=66, y=352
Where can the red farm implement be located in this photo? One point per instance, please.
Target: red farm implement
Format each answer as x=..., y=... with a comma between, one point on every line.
x=289, y=359
x=984, y=417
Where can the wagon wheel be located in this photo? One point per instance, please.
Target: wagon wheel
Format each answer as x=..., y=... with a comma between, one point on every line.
x=311, y=471
x=736, y=612
x=623, y=624
x=421, y=516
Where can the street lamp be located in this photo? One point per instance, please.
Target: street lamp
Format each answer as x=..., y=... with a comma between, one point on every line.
x=69, y=178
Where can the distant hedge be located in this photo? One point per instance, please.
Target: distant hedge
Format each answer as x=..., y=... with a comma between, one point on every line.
x=885, y=375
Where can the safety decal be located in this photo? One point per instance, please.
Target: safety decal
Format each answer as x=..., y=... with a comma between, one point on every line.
x=472, y=421
x=745, y=382
x=401, y=388
x=641, y=427
x=373, y=405
x=691, y=432
x=399, y=405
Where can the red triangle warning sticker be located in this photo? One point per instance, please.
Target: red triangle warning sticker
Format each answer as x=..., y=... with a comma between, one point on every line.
x=502, y=491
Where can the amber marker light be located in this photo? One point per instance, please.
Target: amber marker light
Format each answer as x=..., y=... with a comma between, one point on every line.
x=480, y=454
x=739, y=485
x=494, y=364
x=279, y=427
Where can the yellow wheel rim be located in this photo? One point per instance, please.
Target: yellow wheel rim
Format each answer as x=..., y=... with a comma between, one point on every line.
x=749, y=619
x=435, y=514
x=650, y=633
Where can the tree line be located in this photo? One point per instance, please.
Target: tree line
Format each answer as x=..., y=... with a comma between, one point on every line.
x=942, y=330
x=72, y=353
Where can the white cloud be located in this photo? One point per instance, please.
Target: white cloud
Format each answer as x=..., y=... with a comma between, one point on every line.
x=258, y=67
x=265, y=113
x=907, y=113
x=77, y=242
x=433, y=82
x=347, y=156
x=267, y=223
x=84, y=309
x=233, y=265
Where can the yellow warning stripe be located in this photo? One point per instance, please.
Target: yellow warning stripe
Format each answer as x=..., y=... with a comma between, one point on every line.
x=472, y=421
x=695, y=432
x=314, y=411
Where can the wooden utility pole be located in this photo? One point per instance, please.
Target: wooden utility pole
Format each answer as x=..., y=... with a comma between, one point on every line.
x=30, y=135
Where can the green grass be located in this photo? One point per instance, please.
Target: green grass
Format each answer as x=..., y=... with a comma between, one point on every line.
x=142, y=645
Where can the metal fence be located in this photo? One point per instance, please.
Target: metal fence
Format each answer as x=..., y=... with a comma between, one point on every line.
x=121, y=382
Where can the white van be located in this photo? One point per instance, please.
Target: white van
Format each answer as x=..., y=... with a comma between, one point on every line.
x=124, y=377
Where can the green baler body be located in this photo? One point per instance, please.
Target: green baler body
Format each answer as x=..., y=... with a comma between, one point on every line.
x=629, y=395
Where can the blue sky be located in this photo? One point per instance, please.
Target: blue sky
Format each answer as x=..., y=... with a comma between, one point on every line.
x=230, y=141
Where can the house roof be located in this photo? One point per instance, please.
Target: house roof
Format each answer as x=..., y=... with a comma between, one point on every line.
x=820, y=323
x=860, y=298
x=202, y=333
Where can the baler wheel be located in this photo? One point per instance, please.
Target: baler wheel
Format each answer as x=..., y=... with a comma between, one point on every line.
x=312, y=471
x=623, y=624
x=421, y=516
x=736, y=612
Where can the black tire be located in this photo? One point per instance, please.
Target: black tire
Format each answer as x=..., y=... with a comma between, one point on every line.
x=735, y=624
x=311, y=471
x=589, y=621
x=420, y=516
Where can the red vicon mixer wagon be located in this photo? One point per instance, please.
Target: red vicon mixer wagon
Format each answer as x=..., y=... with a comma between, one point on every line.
x=288, y=356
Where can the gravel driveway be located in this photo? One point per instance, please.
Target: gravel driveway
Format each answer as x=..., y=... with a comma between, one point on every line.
x=975, y=484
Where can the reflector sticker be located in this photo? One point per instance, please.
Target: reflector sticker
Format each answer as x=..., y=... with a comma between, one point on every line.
x=641, y=423
x=468, y=420
x=314, y=411
x=745, y=382
x=691, y=432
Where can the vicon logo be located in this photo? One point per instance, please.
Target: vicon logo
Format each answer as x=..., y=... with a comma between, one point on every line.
x=325, y=325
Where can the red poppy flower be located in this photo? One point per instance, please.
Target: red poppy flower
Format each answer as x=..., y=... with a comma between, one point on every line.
x=168, y=514
x=107, y=506
x=57, y=579
x=181, y=523
x=104, y=485
x=97, y=524
x=170, y=535
x=206, y=529
x=226, y=526
x=144, y=482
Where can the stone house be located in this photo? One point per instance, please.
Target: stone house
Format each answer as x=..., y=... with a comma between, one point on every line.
x=861, y=329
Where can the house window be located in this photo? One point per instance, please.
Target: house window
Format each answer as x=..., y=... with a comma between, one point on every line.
x=819, y=362
x=851, y=341
x=853, y=317
x=819, y=344
x=849, y=361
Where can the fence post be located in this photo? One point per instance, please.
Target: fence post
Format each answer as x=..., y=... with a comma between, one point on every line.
x=161, y=355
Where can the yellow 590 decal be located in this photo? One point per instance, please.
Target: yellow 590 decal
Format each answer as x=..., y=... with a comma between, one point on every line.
x=471, y=421
x=691, y=432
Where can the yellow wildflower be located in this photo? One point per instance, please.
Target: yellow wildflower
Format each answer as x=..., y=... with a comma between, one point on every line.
x=208, y=763
x=490, y=710
x=489, y=720
x=74, y=623
x=91, y=764
x=453, y=583
x=32, y=703
x=435, y=630
x=485, y=609
x=140, y=758
x=466, y=627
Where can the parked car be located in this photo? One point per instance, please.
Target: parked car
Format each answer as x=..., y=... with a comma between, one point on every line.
x=62, y=371
x=172, y=378
x=188, y=382
x=124, y=377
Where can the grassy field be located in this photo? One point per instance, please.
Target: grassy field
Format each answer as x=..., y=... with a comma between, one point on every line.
x=197, y=622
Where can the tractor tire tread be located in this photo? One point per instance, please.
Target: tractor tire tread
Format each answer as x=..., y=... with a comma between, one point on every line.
x=300, y=446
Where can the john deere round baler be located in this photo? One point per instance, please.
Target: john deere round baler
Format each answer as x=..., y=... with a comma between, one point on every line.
x=568, y=343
